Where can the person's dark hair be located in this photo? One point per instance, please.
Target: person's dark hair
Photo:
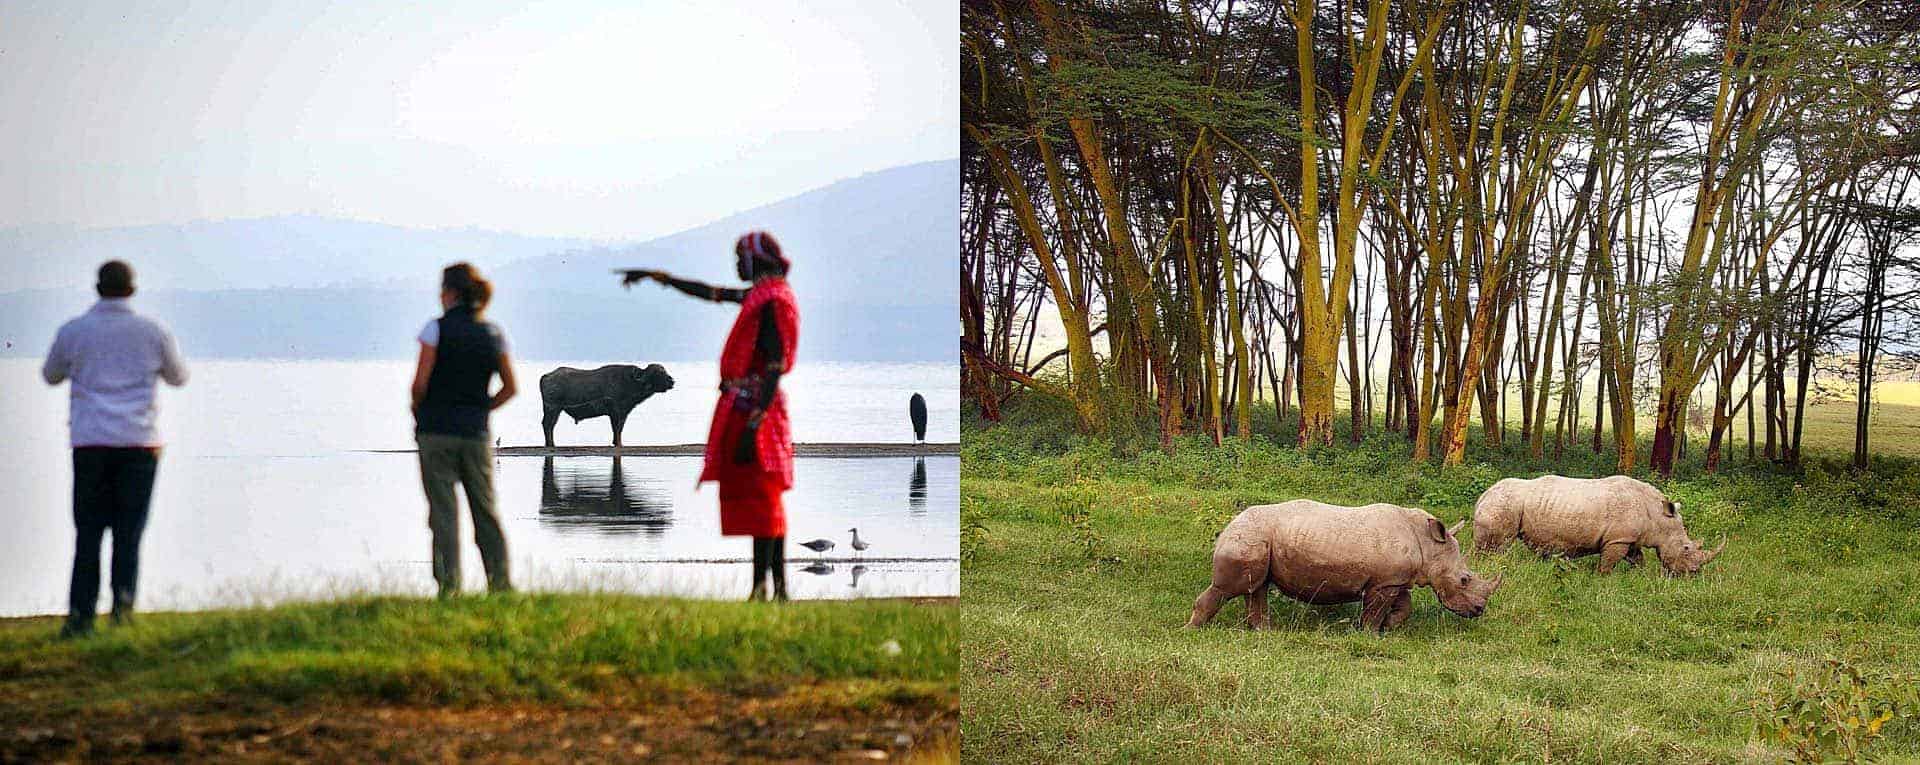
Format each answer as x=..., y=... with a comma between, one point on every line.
x=116, y=279
x=465, y=282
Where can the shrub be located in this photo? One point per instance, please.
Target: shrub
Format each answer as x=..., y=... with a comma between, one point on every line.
x=1835, y=711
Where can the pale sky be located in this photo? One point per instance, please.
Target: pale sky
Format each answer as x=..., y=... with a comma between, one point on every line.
x=598, y=119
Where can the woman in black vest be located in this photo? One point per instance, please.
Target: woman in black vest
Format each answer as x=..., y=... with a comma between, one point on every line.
x=459, y=354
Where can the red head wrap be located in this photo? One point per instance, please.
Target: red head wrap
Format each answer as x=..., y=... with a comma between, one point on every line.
x=761, y=246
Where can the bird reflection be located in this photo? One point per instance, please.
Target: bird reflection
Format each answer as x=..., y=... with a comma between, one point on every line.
x=917, y=487
x=622, y=506
x=818, y=568
x=857, y=571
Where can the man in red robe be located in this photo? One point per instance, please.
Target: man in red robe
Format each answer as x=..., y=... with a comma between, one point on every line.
x=750, y=447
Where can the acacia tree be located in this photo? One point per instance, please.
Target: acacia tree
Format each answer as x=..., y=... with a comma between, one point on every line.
x=1323, y=301
x=1762, y=44
x=1615, y=204
x=1499, y=197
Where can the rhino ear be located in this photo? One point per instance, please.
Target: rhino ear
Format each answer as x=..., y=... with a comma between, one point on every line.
x=1673, y=509
x=1437, y=530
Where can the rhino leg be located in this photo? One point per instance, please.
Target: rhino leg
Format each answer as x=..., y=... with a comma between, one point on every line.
x=1257, y=608
x=1633, y=555
x=1383, y=608
x=1402, y=608
x=546, y=423
x=1207, y=605
x=1612, y=555
x=1236, y=572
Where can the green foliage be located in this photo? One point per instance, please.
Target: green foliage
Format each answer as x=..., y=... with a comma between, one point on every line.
x=973, y=531
x=1167, y=100
x=1835, y=710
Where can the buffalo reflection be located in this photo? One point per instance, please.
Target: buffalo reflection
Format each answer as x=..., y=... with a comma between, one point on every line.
x=917, y=487
x=573, y=502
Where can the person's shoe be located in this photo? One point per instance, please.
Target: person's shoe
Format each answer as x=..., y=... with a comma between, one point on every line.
x=121, y=617
x=759, y=593
x=74, y=630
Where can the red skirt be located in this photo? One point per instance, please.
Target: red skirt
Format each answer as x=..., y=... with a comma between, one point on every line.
x=750, y=506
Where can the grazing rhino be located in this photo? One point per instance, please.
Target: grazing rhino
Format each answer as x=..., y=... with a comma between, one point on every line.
x=1576, y=517
x=611, y=391
x=1325, y=554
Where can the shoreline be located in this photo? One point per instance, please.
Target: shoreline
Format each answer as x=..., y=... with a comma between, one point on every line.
x=852, y=449
x=916, y=600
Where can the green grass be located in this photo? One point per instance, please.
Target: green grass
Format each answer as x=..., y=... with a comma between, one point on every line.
x=469, y=651
x=1080, y=565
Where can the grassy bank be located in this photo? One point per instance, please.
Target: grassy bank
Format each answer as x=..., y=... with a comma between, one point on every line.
x=1080, y=566
x=633, y=675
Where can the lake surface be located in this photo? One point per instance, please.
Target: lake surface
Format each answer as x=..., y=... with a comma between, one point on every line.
x=266, y=490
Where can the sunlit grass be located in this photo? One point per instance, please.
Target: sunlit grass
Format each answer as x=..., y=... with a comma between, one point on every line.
x=1083, y=564
x=546, y=648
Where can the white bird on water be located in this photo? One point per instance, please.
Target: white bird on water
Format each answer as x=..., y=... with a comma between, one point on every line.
x=820, y=546
x=857, y=544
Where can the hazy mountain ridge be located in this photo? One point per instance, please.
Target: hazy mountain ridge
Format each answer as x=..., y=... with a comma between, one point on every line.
x=876, y=262
x=885, y=238
x=254, y=253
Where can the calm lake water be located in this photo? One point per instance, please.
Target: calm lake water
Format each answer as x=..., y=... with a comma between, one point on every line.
x=266, y=491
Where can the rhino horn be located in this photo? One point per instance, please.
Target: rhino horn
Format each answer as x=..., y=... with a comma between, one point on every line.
x=1454, y=530
x=1715, y=552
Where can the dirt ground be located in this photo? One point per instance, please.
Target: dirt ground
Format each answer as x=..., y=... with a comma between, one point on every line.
x=787, y=724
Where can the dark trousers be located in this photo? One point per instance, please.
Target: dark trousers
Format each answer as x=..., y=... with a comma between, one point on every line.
x=111, y=487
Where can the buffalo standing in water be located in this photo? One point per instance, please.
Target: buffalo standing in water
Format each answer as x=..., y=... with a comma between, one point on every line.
x=611, y=391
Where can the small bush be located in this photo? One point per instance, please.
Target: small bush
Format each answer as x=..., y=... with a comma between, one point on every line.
x=1835, y=711
x=973, y=531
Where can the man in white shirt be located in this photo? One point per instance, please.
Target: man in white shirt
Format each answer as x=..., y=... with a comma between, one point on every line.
x=112, y=355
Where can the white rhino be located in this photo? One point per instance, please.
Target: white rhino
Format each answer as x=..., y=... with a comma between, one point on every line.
x=1613, y=517
x=1325, y=554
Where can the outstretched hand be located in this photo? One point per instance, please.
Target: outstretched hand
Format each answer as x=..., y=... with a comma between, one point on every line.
x=629, y=276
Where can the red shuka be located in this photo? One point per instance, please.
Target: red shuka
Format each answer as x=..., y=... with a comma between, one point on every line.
x=750, y=493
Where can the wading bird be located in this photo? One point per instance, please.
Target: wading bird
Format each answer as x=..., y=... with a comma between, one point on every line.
x=820, y=546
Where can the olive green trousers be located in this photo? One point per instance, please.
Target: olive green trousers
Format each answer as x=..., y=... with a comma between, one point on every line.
x=447, y=460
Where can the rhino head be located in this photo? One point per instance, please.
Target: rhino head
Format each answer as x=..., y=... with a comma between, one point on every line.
x=1680, y=554
x=1459, y=589
x=653, y=379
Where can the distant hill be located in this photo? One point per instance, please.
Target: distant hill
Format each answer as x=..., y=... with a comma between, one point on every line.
x=889, y=238
x=252, y=253
x=876, y=266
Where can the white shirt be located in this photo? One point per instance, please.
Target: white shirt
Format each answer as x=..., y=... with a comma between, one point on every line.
x=113, y=356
